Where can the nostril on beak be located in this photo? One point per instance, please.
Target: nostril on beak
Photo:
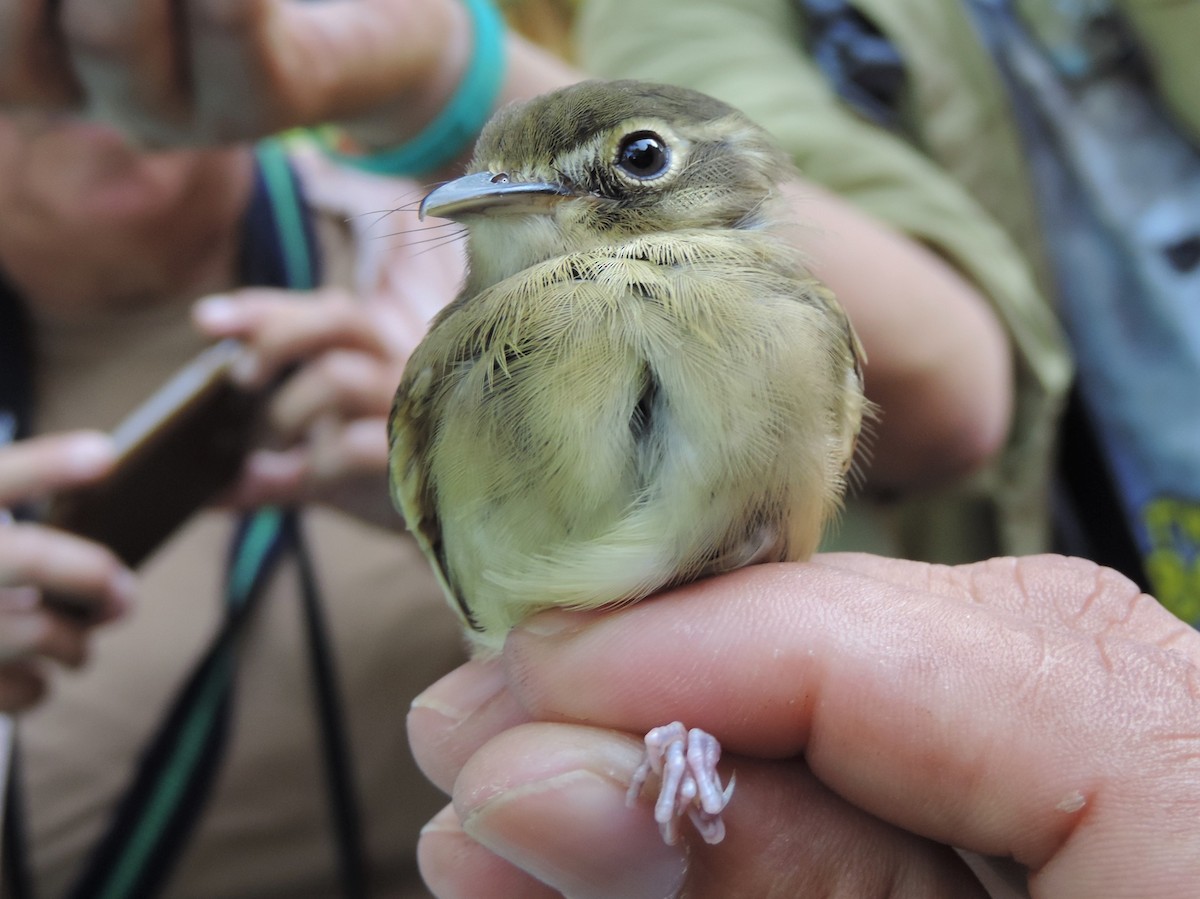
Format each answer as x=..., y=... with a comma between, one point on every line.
x=500, y=178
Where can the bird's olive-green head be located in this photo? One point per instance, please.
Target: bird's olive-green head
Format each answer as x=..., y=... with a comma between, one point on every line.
x=602, y=161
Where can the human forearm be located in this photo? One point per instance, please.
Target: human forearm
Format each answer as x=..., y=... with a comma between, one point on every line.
x=938, y=360
x=210, y=72
x=527, y=70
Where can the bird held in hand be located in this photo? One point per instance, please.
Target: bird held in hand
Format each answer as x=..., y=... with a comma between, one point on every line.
x=639, y=384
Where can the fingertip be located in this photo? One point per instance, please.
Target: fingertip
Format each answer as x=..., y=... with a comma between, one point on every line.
x=551, y=800
x=463, y=691
x=88, y=455
x=89, y=601
x=444, y=822
x=217, y=315
x=364, y=443
x=454, y=866
x=269, y=477
x=122, y=595
x=450, y=720
x=222, y=316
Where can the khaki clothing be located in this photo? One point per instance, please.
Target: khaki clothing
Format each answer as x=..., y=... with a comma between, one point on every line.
x=952, y=177
x=267, y=831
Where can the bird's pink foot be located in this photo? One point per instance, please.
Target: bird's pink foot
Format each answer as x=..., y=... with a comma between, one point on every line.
x=686, y=762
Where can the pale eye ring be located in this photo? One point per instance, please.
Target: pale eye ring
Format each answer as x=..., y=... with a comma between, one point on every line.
x=643, y=155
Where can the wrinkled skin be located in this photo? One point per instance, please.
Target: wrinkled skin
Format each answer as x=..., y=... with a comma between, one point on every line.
x=874, y=710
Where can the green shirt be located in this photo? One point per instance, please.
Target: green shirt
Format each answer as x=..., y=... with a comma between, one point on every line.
x=933, y=178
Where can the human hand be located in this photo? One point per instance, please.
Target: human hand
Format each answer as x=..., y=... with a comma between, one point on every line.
x=329, y=417
x=35, y=558
x=207, y=71
x=875, y=711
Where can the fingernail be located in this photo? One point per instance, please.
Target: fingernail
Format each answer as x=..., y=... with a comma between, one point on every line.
x=89, y=455
x=463, y=691
x=445, y=821
x=555, y=623
x=574, y=832
x=215, y=313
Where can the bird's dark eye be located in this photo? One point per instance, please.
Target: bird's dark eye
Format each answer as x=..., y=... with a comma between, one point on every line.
x=644, y=155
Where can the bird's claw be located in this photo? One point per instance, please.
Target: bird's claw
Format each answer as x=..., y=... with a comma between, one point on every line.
x=686, y=762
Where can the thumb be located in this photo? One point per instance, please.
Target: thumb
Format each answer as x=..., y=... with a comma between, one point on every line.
x=550, y=799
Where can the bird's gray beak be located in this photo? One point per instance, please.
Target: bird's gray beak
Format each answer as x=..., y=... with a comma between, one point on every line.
x=489, y=193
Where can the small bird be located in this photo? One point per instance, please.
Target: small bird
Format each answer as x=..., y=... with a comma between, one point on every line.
x=639, y=384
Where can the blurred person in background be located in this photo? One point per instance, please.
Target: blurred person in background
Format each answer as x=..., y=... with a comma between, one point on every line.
x=129, y=191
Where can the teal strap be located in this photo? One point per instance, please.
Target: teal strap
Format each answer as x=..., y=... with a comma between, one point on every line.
x=247, y=572
x=251, y=553
x=455, y=128
x=298, y=263
x=179, y=764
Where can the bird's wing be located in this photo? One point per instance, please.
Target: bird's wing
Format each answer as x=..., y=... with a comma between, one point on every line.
x=490, y=475
x=411, y=427
x=855, y=407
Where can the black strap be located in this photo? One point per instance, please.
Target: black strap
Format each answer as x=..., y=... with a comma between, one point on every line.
x=339, y=769
x=300, y=269
x=1089, y=518
x=16, y=849
x=279, y=246
x=16, y=372
x=858, y=60
x=161, y=809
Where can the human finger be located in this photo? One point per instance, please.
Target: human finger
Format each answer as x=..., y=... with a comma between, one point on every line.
x=343, y=385
x=130, y=58
x=960, y=722
x=40, y=465
x=448, y=724
x=269, y=477
x=1056, y=591
x=263, y=65
x=34, y=65
x=452, y=719
x=279, y=329
x=339, y=464
x=357, y=447
x=335, y=452
x=338, y=453
x=28, y=633
x=454, y=866
x=551, y=800
x=94, y=580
